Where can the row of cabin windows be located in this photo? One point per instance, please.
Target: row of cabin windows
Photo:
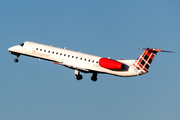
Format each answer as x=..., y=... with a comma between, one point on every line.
x=68, y=55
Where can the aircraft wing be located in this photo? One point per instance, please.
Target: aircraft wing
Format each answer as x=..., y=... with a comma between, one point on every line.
x=72, y=66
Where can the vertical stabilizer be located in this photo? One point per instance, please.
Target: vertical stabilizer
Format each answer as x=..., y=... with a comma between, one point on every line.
x=146, y=58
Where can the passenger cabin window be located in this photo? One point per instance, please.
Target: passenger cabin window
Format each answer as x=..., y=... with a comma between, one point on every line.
x=40, y=49
x=22, y=44
x=48, y=51
x=44, y=50
x=36, y=48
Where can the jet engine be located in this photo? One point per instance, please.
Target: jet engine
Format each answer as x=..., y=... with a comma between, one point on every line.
x=110, y=64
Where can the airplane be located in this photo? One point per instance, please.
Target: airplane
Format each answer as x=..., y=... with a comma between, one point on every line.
x=87, y=63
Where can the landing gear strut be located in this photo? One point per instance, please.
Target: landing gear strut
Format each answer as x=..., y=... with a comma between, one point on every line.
x=78, y=75
x=94, y=77
x=16, y=60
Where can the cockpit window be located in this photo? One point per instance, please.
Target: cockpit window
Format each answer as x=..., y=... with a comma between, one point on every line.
x=22, y=44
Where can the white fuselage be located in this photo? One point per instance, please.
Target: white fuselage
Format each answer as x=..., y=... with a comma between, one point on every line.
x=75, y=60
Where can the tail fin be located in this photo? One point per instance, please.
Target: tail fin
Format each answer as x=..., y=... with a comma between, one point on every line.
x=146, y=58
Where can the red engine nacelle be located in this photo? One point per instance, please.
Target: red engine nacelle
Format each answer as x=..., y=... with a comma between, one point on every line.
x=110, y=64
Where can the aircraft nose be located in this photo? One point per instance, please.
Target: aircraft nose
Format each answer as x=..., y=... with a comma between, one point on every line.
x=10, y=49
x=13, y=49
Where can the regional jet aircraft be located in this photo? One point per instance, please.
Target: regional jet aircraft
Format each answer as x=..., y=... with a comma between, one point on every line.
x=86, y=63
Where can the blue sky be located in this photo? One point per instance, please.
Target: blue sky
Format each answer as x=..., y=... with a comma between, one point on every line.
x=34, y=90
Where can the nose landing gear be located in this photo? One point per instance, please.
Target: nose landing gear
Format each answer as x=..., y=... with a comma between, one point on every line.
x=16, y=60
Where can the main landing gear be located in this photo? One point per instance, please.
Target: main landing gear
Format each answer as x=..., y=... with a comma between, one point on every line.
x=94, y=77
x=79, y=76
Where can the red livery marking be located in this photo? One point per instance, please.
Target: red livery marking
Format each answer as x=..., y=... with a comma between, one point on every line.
x=40, y=54
x=157, y=50
x=152, y=56
x=110, y=64
x=148, y=53
x=143, y=55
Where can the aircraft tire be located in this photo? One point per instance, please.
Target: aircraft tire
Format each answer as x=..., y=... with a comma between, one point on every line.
x=94, y=78
x=79, y=77
x=16, y=60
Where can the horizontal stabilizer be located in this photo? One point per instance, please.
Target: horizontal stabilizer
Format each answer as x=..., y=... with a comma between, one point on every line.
x=156, y=50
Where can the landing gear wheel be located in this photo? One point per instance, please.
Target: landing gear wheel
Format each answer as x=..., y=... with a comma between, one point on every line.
x=17, y=55
x=94, y=78
x=16, y=60
x=79, y=77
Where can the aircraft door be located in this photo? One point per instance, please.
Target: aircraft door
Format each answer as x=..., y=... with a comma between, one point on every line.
x=28, y=47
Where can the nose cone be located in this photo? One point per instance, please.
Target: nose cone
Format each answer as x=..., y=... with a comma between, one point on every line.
x=10, y=49
x=14, y=49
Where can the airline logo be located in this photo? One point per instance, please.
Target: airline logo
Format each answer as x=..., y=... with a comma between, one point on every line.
x=39, y=54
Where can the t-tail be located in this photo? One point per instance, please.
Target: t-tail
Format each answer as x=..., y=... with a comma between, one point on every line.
x=144, y=61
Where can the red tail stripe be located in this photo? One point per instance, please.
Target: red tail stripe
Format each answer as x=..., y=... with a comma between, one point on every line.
x=152, y=56
x=148, y=53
